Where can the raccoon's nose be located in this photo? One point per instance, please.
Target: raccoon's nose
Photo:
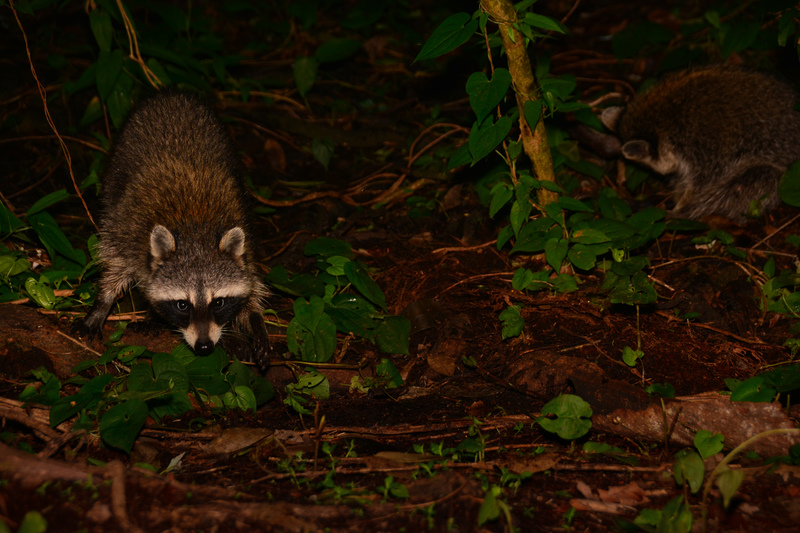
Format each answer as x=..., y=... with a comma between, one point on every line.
x=203, y=347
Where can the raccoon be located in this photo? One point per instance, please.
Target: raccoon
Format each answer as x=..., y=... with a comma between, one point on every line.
x=175, y=224
x=724, y=135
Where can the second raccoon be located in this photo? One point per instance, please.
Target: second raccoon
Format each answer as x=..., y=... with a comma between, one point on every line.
x=175, y=224
x=724, y=135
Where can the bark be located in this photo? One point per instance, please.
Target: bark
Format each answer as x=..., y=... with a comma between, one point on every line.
x=534, y=141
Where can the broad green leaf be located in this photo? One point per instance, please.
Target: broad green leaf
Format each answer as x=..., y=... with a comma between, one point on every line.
x=100, y=21
x=572, y=416
x=53, y=238
x=512, y=321
x=589, y=236
x=40, y=292
x=305, y=74
x=484, y=137
x=501, y=194
x=582, y=257
x=322, y=150
x=47, y=201
x=555, y=250
x=729, y=482
x=240, y=397
x=689, y=469
x=545, y=23
x=357, y=275
x=533, y=110
x=121, y=424
x=484, y=95
x=109, y=69
x=119, y=100
x=336, y=50
x=449, y=35
x=8, y=222
x=460, y=157
x=391, y=334
x=327, y=247
x=754, y=389
x=91, y=393
x=789, y=188
x=708, y=443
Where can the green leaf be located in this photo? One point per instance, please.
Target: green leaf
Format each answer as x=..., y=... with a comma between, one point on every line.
x=512, y=321
x=100, y=21
x=739, y=37
x=386, y=370
x=630, y=356
x=484, y=137
x=449, y=35
x=336, y=50
x=322, y=150
x=119, y=100
x=533, y=110
x=357, y=275
x=241, y=397
x=582, y=257
x=484, y=95
x=490, y=509
x=305, y=74
x=571, y=204
x=729, y=482
x=391, y=334
x=501, y=193
x=589, y=236
x=47, y=201
x=789, y=188
x=109, y=69
x=522, y=278
x=121, y=424
x=33, y=521
x=87, y=397
x=689, y=469
x=572, y=416
x=327, y=247
x=555, y=250
x=311, y=333
x=708, y=443
x=545, y=23
x=754, y=389
x=53, y=238
x=460, y=157
x=41, y=293
x=8, y=222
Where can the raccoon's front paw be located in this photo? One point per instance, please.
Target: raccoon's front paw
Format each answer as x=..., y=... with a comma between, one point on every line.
x=84, y=329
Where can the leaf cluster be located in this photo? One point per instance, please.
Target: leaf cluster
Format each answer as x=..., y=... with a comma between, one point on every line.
x=340, y=297
x=157, y=385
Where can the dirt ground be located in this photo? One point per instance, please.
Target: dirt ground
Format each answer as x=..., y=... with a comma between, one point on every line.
x=340, y=469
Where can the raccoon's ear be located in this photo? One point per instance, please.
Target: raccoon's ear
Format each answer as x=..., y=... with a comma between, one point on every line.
x=610, y=117
x=232, y=243
x=162, y=243
x=637, y=150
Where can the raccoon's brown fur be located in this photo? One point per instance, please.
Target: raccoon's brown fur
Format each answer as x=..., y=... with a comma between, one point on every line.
x=724, y=135
x=175, y=223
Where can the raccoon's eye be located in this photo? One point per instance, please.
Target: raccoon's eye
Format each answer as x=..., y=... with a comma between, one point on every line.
x=218, y=303
x=182, y=305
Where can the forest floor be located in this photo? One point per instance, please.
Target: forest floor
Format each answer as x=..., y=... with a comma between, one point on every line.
x=431, y=244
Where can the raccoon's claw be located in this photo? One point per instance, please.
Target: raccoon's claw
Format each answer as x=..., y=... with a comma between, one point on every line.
x=83, y=330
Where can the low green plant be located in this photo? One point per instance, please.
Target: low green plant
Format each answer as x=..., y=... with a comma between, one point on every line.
x=341, y=297
x=567, y=415
x=150, y=385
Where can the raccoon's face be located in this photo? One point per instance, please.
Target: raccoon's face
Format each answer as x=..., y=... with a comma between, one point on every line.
x=198, y=285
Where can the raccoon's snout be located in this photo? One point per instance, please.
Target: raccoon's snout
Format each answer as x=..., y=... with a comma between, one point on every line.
x=204, y=347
